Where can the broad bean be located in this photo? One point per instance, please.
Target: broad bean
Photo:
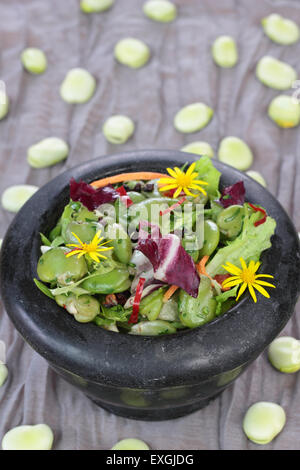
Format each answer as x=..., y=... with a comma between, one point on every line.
x=54, y=266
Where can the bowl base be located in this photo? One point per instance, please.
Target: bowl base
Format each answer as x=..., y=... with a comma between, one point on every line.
x=142, y=414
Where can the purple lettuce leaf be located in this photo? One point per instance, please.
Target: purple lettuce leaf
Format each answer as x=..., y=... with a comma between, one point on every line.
x=234, y=194
x=171, y=263
x=91, y=197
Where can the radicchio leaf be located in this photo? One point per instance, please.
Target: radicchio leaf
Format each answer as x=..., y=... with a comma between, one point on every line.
x=234, y=194
x=171, y=263
x=91, y=197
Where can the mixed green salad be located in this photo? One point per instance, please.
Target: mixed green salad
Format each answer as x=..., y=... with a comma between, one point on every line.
x=113, y=260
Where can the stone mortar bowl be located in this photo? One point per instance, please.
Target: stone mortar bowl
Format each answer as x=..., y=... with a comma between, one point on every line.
x=148, y=378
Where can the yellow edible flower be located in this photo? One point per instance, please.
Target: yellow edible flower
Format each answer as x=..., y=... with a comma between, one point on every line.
x=247, y=277
x=182, y=181
x=92, y=249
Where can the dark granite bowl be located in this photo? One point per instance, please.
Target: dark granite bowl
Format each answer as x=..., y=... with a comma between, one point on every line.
x=150, y=378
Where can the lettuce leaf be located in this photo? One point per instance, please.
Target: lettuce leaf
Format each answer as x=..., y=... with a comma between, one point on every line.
x=207, y=172
x=249, y=245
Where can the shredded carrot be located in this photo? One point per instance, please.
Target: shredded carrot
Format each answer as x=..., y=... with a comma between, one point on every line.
x=138, y=175
x=168, y=294
x=201, y=267
x=171, y=208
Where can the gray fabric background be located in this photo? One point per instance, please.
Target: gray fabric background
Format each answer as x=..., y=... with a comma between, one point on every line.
x=181, y=71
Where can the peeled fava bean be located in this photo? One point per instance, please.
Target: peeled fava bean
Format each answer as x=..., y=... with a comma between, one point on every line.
x=84, y=230
x=47, y=152
x=230, y=221
x=280, y=29
x=199, y=148
x=160, y=10
x=130, y=444
x=38, y=437
x=121, y=243
x=263, y=421
x=84, y=307
x=152, y=328
x=78, y=86
x=112, y=282
x=224, y=51
x=284, y=354
x=118, y=129
x=4, y=104
x=195, y=312
x=284, y=110
x=14, y=197
x=132, y=52
x=193, y=117
x=54, y=266
x=34, y=60
x=235, y=152
x=257, y=177
x=95, y=6
x=211, y=238
x=275, y=74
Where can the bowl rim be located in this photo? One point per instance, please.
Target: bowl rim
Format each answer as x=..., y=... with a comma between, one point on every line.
x=221, y=345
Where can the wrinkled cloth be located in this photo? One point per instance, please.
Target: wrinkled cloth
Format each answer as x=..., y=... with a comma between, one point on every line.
x=181, y=71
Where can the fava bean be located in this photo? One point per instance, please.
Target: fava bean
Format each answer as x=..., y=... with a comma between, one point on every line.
x=275, y=74
x=235, y=152
x=78, y=86
x=95, y=6
x=135, y=196
x=152, y=328
x=193, y=117
x=160, y=10
x=3, y=374
x=280, y=29
x=211, y=238
x=130, y=444
x=84, y=308
x=196, y=312
x=121, y=243
x=118, y=129
x=284, y=354
x=38, y=437
x=16, y=196
x=285, y=111
x=84, y=230
x=112, y=282
x=230, y=221
x=224, y=51
x=169, y=311
x=151, y=305
x=34, y=60
x=257, y=177
x=132, y=52
x=54, y=266
x=47, y=152
x=4, y=104
x=263, y=421
x=199, y=148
